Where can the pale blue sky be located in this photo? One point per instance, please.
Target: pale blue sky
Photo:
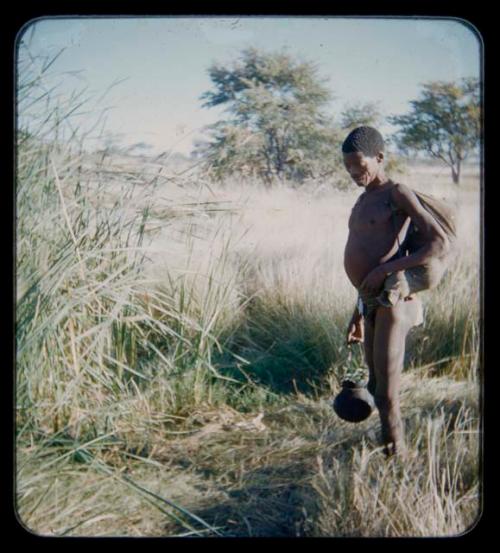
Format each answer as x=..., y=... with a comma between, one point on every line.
x=165, y=62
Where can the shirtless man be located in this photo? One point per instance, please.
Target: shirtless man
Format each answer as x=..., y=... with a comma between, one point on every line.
x=377, y=226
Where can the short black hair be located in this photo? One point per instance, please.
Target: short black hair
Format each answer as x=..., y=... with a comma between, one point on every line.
x=364, y=139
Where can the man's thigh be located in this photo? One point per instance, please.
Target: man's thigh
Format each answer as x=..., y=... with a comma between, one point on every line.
x=391, y=327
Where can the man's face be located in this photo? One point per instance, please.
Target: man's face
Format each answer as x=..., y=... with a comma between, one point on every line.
x=363, y=169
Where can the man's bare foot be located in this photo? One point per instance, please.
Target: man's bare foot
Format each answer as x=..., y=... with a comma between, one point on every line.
x=396, y=450
x=392, y=433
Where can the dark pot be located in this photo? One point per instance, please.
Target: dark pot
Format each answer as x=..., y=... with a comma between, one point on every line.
x=354, y=403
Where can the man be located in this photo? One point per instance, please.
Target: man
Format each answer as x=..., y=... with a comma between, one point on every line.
x=383, y=272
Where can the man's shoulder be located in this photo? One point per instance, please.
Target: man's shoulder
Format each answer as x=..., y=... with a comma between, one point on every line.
x=401, y=192
x=400, y=188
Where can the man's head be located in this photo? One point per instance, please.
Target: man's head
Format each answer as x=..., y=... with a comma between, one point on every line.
x=363, y=151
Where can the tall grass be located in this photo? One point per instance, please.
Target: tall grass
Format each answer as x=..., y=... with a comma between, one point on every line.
x=158, y=315
x=99, y=348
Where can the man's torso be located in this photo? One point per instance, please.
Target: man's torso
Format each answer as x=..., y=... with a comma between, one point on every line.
x=373, y=234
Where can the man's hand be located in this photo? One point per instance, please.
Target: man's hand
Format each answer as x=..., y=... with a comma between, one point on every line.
x=374, y=280
x=356, y=331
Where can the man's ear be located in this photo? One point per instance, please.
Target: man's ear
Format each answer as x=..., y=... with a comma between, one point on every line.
x=380, y=157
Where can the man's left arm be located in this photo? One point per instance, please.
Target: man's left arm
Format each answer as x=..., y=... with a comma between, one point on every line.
x=436, y=241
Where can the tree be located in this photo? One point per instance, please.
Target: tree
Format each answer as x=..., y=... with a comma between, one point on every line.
x=444, y=122
x=356, y=115
x=276, y=126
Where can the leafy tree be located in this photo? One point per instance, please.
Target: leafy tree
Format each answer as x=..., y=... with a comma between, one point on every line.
x=356, y=115
x=276, y=126
x=444, y=122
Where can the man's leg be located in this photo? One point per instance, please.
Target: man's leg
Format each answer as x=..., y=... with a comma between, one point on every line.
x=391, y=327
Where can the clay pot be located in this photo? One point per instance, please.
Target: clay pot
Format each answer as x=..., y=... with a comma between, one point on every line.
x=354, y=403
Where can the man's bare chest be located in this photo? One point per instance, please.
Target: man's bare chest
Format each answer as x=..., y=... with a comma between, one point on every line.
x=371, y=212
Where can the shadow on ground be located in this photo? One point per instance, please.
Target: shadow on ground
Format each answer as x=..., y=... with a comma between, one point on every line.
x=268, y=489
x=265, y=504
x=265, y=485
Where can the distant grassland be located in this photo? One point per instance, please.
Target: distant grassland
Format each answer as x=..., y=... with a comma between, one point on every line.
x=178, y=343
